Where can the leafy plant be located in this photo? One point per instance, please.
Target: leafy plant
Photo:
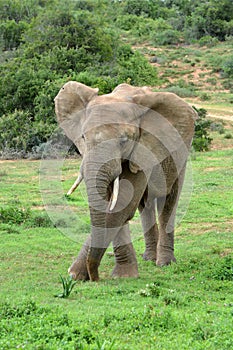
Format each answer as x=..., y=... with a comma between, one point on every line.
x=106, y=345
x=227, y=67
x=151, y=290
x=15, y=214
x=68, y=285
x=228, y=136
x=202, y=140
x=224, y=269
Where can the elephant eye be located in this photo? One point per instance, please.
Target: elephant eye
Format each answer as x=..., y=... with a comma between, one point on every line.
x=83, y=137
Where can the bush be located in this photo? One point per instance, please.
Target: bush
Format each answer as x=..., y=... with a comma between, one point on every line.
x=182, y=91
x=14, y=215
x=202, y=140
x=227, y=67
x=205, y=97
x=19, y=133
x=223, y=270
x=208, y=41
x=136, y=70
x=167, y=37
x=12, y=33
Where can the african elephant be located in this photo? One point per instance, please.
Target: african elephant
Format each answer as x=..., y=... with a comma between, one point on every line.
x=134, y=145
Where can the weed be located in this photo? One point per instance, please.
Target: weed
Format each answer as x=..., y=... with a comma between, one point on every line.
x=205, y=97
x=3, y=173
x=214, y=126
x=151, y=290
x=40, y=220
x=224, y=269
x=106, y=345
x=201, y=333
x=68, y=284
x=173, y=298
x=228, y=136
x=14, y=215
x=9, y=229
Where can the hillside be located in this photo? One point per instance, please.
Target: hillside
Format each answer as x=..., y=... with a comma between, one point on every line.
x=180, y=46
x=194, y=73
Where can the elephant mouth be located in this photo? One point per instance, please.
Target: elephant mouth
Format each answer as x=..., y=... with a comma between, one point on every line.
x=113, y=190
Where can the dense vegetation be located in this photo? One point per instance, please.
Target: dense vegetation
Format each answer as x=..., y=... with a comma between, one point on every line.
x=46, y=43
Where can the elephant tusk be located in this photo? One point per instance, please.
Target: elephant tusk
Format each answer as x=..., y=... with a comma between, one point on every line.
x=114, y=194
x=75, y=185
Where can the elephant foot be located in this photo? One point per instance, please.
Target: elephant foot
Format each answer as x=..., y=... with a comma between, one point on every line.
x=92, y=268
x=93, y=260
x=165, y=259
x=125, y=270
x=78, y=271
x=149, y=255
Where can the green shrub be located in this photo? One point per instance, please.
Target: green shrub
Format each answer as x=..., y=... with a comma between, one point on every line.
x=216, y=126
x=223, y=270
x=204, y=96
x=167, y=37
x=136, y=70
x=9, y=229
x=15, y=215
x=40, y=219
x=202, y=140
x=182, y=91
x=12, y=33
x=227, y=67
x=228, y=136
x=19, y=133
x=208, y=41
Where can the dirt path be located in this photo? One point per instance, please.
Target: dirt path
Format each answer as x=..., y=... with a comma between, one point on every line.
x=223, y=117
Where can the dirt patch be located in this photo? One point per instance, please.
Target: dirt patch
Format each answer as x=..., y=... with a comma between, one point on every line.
x=6, y=161
x=212, y=169
x=226, y=252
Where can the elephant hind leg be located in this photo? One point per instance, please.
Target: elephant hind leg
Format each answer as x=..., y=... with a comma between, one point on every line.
x=167, y=212
x=150, y=229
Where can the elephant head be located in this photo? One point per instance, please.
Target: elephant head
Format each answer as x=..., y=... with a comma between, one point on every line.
x=130, y=125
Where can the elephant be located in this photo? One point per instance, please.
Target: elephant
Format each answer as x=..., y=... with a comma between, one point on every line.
x=134, y=145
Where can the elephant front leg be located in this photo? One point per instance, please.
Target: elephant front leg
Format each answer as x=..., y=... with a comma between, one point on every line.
x=150, y=229
x=78, y=270
x=125, y=257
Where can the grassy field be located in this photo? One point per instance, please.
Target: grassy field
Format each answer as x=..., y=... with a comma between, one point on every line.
x=188, y=305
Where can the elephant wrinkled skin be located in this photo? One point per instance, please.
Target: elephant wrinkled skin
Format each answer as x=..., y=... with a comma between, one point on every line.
x=140, y=140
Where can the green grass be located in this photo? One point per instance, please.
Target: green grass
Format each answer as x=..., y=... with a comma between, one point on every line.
x=188, y=305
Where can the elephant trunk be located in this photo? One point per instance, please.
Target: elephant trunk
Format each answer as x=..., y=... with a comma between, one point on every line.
x=99, y=177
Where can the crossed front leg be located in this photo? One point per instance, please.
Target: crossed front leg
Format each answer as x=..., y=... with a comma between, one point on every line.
x=125, y=256
x=78, y=270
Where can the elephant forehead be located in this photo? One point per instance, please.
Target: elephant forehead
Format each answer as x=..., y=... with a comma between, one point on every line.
x=110, y=131
x=115, y=112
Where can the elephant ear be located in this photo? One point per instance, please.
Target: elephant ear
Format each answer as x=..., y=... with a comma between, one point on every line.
x=166, y=129
x=70, y=106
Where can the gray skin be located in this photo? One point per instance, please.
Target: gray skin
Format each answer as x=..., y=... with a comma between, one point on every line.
x=143, y=137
